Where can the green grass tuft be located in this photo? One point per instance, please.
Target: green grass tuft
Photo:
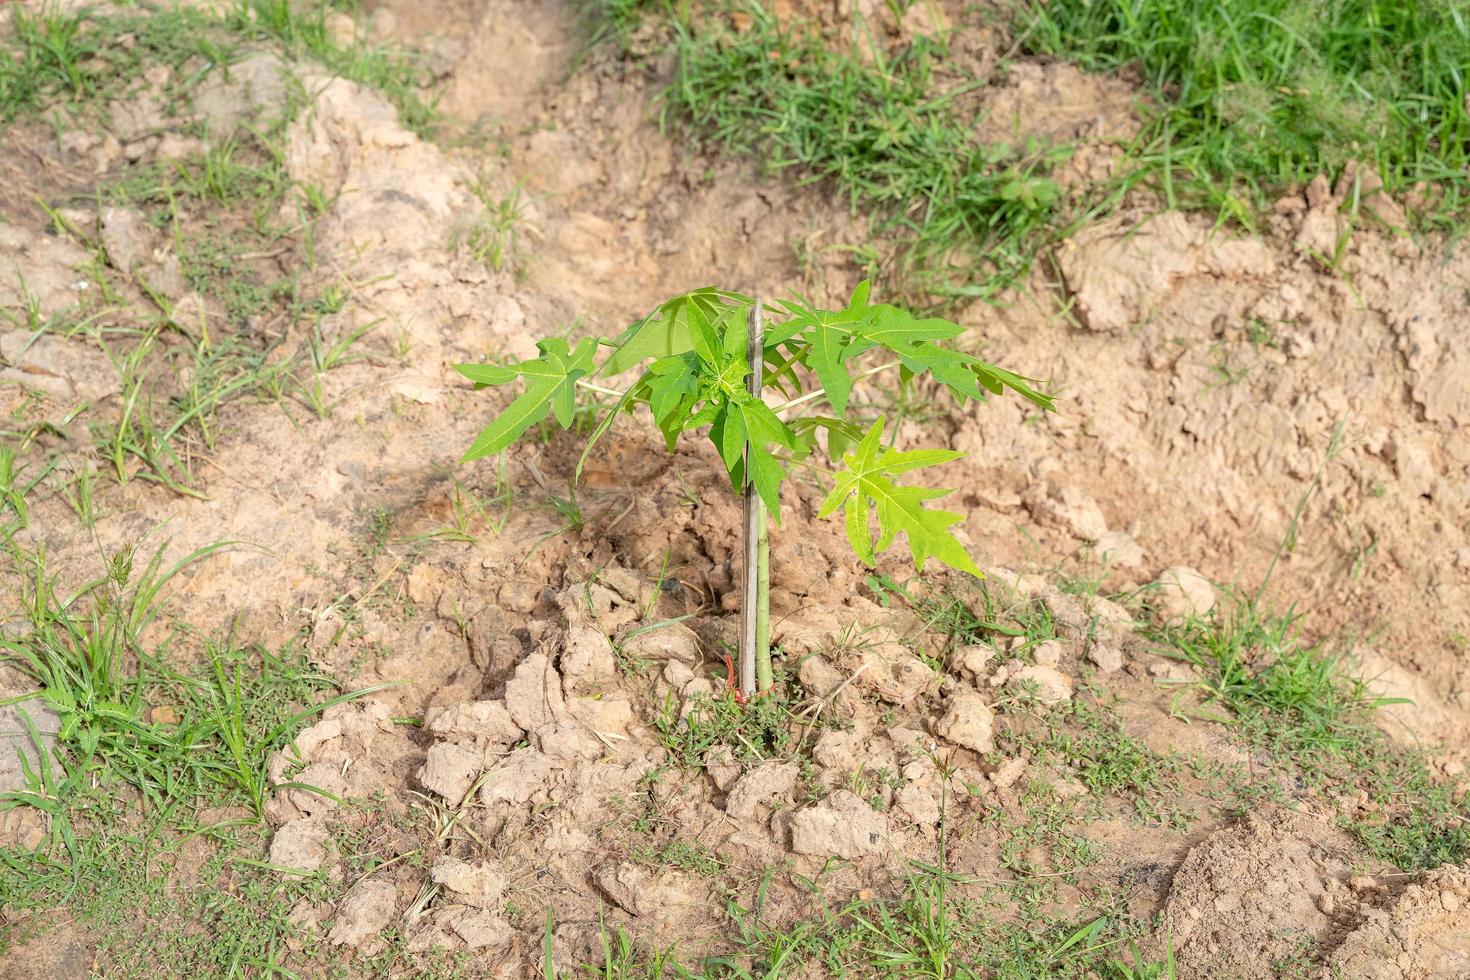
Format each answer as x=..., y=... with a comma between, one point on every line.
x=1254, y=95
x=72, y=57
x=966, y=217
x=1306, y=707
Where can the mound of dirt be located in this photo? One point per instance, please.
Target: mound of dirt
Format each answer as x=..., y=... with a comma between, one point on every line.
x=1279, y=892
x=1423, y=933
x=1255, y=895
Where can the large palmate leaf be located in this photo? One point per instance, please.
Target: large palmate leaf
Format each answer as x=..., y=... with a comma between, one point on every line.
x=827, y=340
x=866, y=488
x=670, y=328
x=551, y=387
x=745, y=430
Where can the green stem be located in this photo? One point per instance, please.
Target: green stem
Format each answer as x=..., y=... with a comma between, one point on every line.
x=764, y=677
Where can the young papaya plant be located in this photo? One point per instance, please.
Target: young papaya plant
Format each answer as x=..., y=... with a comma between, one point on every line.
x=706, y=361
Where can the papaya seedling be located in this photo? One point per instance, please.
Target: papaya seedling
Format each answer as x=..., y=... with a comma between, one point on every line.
x=706, y=361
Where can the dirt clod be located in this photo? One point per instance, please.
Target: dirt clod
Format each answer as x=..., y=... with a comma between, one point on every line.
x=767, y=781
x=303, y=845
x=843, y=826
x=968, y=722
x=366, y=910
x=1423, y=933
x=1049, y=685
x=1183, y=592
x=1245, y=898
x=478, y=884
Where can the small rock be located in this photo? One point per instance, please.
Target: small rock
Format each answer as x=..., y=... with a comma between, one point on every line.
x=341, y=29
x=191, y=313
x=19, y=750
x=1173, y=671
x=894, y=673
x=23, y=828
x=838, y=751
x=810, y=629
x=520, y=597
x=819, y=677
x=1182, y=592
x=844, y=826
x=677, y=674
x=919, y=802
x=1072, y=510
x=607, y=715
x=480, y=930
x=524, y=774
x=174, y=146
x=673, y=642
x=588, y=662
x=254, y=88
x=723, y=769
x=1118, y=549
x=425, y=584
x=1008, y=773
x=1051, y=685
x=1109, y=614
x=326, y=778
x=126, y=238
x=483, y=723
x=968, y=722
x=1048, y=653
x=567, y=742
x=479, y=884
x=973, y=659
x=365, y=911
x=770, y=779
x=924, y=19
x=596, y=604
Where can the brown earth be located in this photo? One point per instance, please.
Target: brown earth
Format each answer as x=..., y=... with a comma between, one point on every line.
x=1200, y=376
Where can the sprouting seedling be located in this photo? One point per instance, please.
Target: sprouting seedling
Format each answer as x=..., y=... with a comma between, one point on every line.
x=696, y=366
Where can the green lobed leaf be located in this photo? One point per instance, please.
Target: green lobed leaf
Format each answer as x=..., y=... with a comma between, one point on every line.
x=866, y=488
x=667, y=331
x=551, y=387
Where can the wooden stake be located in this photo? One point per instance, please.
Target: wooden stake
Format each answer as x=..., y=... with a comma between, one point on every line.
x=753, y=524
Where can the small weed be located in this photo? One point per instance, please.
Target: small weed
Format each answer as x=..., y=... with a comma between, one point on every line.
x=1088, y=738
x=760, y=730
x=683, y=855
x=492, y=239
x=73, y=55
x=153, y=751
